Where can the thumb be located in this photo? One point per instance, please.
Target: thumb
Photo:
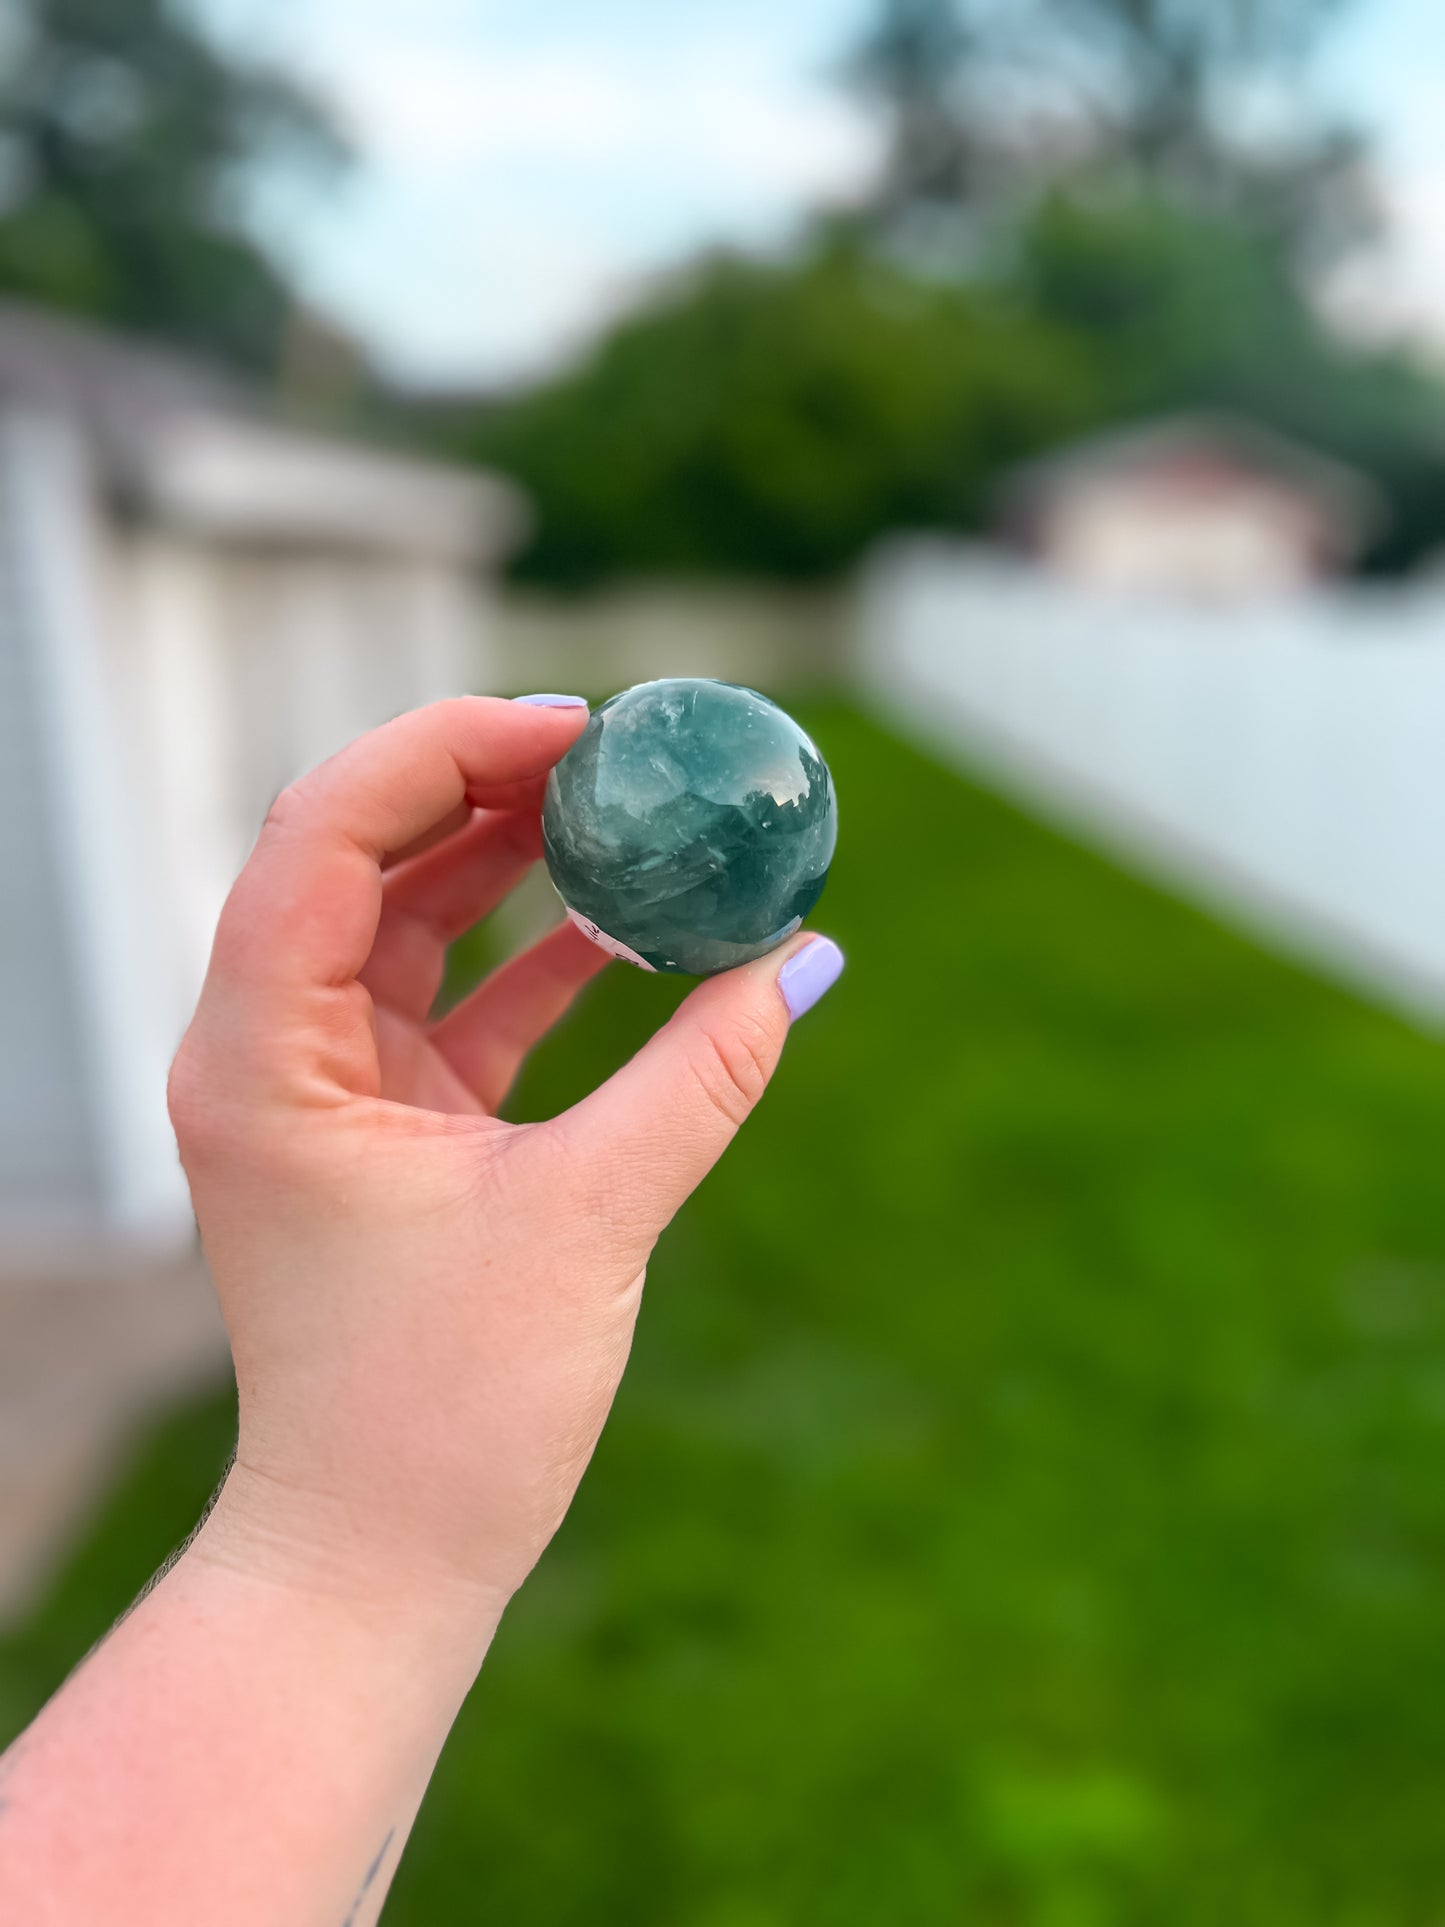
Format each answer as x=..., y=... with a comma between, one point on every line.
x=654, y=1130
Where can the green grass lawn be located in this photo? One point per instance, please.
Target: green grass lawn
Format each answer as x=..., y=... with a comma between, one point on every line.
x=1027, y=1500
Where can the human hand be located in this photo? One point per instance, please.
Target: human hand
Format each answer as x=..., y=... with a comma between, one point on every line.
x=430, y=1309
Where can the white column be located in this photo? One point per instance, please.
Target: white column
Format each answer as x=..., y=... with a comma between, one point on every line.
x=128, y=1038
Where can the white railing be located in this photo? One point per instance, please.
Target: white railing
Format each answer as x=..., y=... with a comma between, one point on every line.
x=1285, y=761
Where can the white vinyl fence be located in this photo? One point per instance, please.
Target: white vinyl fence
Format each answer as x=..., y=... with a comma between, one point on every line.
x=1284, y=761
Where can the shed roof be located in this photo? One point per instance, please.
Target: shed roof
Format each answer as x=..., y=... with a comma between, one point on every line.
x=1347, y=496
x=183, y=442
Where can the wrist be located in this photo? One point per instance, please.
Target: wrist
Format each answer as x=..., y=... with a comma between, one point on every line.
x=277, y=1725
x=316, y=1548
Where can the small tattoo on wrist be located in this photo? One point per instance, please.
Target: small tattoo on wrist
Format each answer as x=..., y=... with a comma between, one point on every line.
x=372, y=1871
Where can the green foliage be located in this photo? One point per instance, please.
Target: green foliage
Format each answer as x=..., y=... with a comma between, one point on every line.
x=127, y=139
x=777, y=419
x=1176, y=306
x=1026, y=1504
x=1180, y=311
x=773, y=419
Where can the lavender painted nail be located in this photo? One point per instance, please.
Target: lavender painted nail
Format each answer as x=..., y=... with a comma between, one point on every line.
x=553, y=702
x=805, y=977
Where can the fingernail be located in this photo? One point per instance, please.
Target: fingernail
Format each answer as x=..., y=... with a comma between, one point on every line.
x=809, y=973
x=553, y=702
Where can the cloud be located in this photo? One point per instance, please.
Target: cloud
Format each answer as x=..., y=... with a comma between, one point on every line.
x=511, y=196
x=1396, y=287
x=425, y=109
x=722, y=116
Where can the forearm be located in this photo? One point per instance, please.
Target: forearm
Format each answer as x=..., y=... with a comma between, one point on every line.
x=242, y=1748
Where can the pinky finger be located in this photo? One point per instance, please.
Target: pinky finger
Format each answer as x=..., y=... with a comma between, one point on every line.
x=485, y=1039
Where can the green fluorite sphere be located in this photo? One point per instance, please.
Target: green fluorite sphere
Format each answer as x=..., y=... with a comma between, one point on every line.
x=690, y=826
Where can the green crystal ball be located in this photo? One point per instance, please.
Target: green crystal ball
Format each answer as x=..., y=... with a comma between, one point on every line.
x=690, y=826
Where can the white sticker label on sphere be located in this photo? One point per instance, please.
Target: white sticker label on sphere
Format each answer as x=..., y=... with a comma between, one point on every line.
x=596, y=934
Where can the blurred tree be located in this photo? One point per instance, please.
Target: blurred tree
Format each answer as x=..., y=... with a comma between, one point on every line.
x=1072, y=229
x=126, y=139
x=775, y=418
x=1200, y=99
x=1180, y=310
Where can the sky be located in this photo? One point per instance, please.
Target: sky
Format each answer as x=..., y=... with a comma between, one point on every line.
x=526, y=167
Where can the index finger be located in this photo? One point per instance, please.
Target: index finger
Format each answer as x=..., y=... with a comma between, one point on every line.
x=304, y=911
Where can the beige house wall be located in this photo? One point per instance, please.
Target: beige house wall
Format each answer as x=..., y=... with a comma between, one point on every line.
x=1128, y=533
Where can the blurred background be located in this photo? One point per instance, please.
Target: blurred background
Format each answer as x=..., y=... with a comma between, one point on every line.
x=1027, y=1502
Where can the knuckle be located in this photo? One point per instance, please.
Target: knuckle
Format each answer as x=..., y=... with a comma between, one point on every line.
x=213, y=1120
x=226, y=1132
x=732, y=1066
x=283, y=811
x=189, y=1101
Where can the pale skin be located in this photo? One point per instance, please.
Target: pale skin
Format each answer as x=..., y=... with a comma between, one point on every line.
x=429, y=1311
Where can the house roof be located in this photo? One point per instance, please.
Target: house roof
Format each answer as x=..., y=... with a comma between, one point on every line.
x=1348, y=497
x=180, y=441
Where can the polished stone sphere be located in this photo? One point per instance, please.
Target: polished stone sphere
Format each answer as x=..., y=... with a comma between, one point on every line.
x=690, y=827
